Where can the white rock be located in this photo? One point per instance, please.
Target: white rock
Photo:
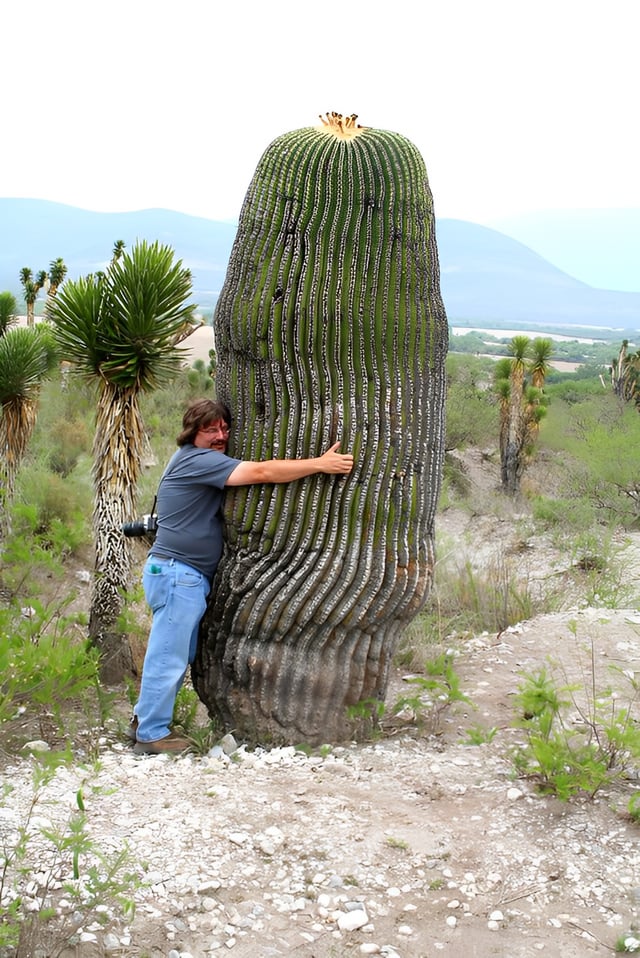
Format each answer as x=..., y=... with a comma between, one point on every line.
x=451, y=921
x=350, y=920
x=238, y=838
x=228, y=744
x=513, y=794
x=37, y=745
x=207, y=886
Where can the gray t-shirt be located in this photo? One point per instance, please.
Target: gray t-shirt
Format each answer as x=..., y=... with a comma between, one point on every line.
x=189, y=506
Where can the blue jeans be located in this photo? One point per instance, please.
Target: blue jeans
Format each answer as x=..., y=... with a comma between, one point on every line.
x=177, y=595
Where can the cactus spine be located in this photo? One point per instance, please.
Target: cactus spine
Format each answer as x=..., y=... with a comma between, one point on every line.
x=330, y=326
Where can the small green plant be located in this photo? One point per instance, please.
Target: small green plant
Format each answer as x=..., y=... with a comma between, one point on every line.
x=398, y=843
x=43, y=665
x=633, y=807
x=203, y=738
x=628, y=943
x=322, y=750
x=68, y=864
x=479, y=735
x=185, y=709
x=435, y=693
x=582, y=755
x=366, y=714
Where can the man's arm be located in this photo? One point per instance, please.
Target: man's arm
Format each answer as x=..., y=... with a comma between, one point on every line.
x=286, y=470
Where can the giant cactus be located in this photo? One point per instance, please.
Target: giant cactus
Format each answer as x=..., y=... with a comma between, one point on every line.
x=330, y=325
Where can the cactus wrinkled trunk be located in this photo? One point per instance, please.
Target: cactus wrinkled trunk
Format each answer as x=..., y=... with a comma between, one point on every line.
x=330, y=326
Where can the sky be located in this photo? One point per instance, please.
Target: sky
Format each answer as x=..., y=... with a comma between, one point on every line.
x=516, y=106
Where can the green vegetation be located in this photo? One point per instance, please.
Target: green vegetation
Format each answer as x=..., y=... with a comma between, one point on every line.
x=629, y=942
x=435, y=693
x=593, y=355
x=578, y=739
x=96, y=886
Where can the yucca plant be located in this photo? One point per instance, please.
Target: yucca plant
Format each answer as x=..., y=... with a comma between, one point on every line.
x=119, y=330
x=27, y=358
x=329, y=327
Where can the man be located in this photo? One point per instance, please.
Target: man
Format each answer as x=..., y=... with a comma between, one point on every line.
x=180, y=567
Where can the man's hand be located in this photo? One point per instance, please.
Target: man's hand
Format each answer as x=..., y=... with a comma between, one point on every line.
x=336, y=463
x=287, y=470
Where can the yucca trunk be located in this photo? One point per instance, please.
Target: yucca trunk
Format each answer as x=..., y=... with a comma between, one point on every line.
x=330, y=326
x=17, y=422
x=512, y=459
x=117, y=450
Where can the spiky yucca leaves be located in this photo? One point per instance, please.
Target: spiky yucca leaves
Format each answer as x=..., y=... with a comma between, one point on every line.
x=31, y=286
x=8, y=309
x=519, y=385
x=330, y=326
x=27, y=357
x=119, y=329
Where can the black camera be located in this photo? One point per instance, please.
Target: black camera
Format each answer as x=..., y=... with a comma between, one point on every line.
x=145, y=526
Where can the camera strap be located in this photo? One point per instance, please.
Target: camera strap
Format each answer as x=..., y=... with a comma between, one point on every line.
x=167, y=471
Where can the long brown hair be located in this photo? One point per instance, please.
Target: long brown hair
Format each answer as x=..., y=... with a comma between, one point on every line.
x=200, y=414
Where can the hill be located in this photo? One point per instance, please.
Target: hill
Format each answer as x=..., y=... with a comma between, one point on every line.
x=487, y=277
x=600, y=247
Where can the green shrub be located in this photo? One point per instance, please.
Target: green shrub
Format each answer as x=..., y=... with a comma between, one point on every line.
x=70, y=865
x=199, y=378
x=566, y=755
x=51, y=508
x=565, y=514
x=434, y=694
x=70, y=440
x=44, y=667
x=598, y=440
x=471, y=413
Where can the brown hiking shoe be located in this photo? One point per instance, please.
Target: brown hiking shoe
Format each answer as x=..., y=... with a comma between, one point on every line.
x=171, y=744
x=132, y=729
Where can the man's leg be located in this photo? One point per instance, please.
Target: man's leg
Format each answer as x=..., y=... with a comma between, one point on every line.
x=177, y=596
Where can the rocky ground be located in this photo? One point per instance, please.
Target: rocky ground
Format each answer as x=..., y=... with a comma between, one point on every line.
x=414, y=845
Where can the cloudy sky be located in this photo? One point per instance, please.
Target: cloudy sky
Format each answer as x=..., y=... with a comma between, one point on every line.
x=515, y=105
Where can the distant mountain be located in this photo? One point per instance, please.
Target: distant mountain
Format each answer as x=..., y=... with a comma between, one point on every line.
x=599, y=247
x=34, y=232
x=486, y=276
